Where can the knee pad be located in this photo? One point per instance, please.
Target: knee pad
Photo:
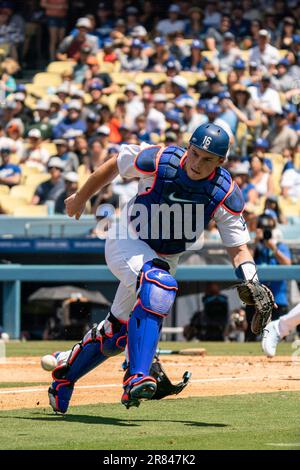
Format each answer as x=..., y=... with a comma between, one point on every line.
x=156, y=294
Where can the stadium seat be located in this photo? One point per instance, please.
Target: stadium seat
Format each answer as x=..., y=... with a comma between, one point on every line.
x=122, y=78
x=22, y=191
x=289, y=207
x=35, y=180
x=9, y=203
x=208, y=54
x=31, y=211
x=36, y=91
x=50, y=147
x=59, y=67
x=155, y=77
x=47, y=79
x=4, y=189
x=297, y=161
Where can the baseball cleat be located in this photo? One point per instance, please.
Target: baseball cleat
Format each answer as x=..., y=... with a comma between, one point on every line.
x=139, y=390
x=271, y=338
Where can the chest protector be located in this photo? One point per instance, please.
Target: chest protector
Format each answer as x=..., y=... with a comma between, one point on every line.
x=171, y=205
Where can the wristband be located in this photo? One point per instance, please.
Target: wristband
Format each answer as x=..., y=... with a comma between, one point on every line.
x=247, y=271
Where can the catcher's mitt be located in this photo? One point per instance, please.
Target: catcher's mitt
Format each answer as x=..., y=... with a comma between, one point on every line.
x=164, y=385
x=259, y=295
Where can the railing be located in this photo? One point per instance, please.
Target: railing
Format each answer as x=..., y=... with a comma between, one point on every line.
x=12, y=275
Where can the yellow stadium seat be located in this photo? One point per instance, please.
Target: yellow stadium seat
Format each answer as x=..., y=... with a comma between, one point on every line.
x=22, y=191
x=297, y=160
x=208, y=54
x=50, y=147
x=155, y=77
x=223, y=77
x=31, y=211
x=35, y=90
x=60, y=67
x=15, y=159
x=35, y=180
x=289, y=207
x=9, y=203
x=122, y=78
x=244, y=55
x=47, y=79
x=191, y=77
x=283, y=53
x=4, y=189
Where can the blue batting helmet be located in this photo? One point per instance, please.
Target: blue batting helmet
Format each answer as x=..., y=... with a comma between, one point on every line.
x=211, y=138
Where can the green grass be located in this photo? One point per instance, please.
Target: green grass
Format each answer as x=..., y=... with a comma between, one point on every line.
x=22, y=384
x=39, y=348
x=231, y=422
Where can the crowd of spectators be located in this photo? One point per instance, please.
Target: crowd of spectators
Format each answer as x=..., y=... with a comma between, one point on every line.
x=139, y=72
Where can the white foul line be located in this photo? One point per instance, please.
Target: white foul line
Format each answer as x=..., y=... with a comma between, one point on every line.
x=86, y=387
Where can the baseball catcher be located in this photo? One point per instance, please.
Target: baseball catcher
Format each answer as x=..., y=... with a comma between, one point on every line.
x=145, y=259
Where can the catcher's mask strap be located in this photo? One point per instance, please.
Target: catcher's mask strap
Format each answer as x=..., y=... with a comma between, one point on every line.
x=247, y=271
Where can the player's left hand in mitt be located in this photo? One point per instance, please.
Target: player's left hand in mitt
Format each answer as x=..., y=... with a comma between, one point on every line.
x=164, y=385
x=257, y=294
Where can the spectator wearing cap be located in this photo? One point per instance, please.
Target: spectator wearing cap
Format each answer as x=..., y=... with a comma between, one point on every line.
x=71, y=46
x=178, y=47
x=172, y=24
x=210, y=87
x=50, y=190
x=81, y=66
x=95, y=90
x=109, y=53
x=240, y=173
x=191, y=119
x=264, y=53
x=139, y=32
x=70, y=159
x=105, y=23
x=71, y=180
x=229, y=114
x=281, y=136
x=97, y=155
x=22, y=111
x=288, y=30
x=131, y=14
x=56, y=15
x=160, y=56
x=140, y=129
x=15, y=130
x=72, y=121
x=56, y=113
x=155, y=119
x=194, y=62
x=103, y=135
x=217, y=33
x=10, y=174
x=35, y=156
x=240, y=26
x=92, y=124
x=179, y=86
x=41, y=119
x=135, y=60
x=12, y=28
x=272, y=203
x=228, y=53
x=212, y=15
x=265, y=98
x=261, y=147
x=283, y=82
x=194, y=27
x=62, y=92
x=260, y=176
x=173, y=68
x=133, y=106
x=93, y=73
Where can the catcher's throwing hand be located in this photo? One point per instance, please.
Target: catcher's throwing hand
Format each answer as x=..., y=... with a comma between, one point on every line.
x=257, y=294
x=74, y=206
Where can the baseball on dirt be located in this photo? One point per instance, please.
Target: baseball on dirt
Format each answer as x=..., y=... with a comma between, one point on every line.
x=48, y=362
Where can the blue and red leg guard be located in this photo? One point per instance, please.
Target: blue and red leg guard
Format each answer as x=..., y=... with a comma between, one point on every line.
x=101, y=342
x=156, y=294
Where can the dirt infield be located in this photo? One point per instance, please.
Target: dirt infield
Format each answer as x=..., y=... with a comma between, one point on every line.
x=211, y=376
